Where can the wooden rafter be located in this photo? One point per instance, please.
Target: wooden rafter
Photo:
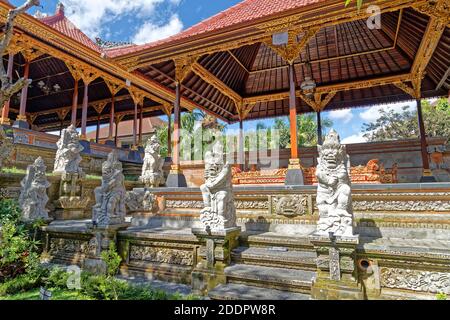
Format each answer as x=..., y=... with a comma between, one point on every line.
x=211, y=79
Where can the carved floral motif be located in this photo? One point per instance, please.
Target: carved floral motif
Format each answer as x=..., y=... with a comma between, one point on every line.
x=162, y=255
x=416, y=280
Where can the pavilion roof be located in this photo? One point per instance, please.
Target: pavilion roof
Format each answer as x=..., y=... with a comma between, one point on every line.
x=60, y=22
x=243, y=12
x=230, y=67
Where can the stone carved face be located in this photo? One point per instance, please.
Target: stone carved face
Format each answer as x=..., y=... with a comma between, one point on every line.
x=332, y=153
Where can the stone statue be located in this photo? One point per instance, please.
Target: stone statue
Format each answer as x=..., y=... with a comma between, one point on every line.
x=33, y=196
x=140, y=200
x=110, y=196
x=68, y=157
x=152, y=173
x=6, y=146
x=334, y=190
x=219, y=212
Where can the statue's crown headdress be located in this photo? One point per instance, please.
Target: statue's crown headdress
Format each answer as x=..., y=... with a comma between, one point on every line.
x=39, y=163
x=332, y=139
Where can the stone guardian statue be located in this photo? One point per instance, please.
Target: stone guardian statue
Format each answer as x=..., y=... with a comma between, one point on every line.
x=334, y=199
x=33, y=196
x=219, y=212
x=110, y=197
x=152, y=173
x=68, y=157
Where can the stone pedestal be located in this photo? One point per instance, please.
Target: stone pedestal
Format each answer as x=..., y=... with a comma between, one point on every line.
x=294, y=175
x=337, y=277
x=214, y=256
x=72, y=202
x=176, y=180
x=102, y=237
x=22, y=124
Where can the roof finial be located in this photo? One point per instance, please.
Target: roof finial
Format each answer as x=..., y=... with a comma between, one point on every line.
x=60, y=8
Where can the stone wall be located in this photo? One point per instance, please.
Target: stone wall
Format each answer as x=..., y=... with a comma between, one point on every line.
x=405, y=153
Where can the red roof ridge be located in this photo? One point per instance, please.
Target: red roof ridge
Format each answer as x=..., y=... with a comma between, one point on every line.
x=61, y=23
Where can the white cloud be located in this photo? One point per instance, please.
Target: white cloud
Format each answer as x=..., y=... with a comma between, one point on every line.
x=92, y=16
x=356, y=138
x=152, y=32
x=344, y=116
x=373, y=113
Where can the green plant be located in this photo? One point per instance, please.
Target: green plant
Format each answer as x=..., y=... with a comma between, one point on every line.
x=441, y=296
x=112, y=259
x=9, y=211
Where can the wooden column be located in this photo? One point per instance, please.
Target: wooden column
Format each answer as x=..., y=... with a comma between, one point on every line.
x=241, y=146
x=427, y=174
x=294, y=174
x=97, y=132
x=135, y=125
x=116, y=141
x=319, y=129
x=75, y=103
x=176, y=129
x=84, y=111
x=169, y=135
x=24, y=96
x=293, y=113
x=5, y=111
x=141, y=120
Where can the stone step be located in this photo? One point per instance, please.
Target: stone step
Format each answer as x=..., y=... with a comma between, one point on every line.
x=272, y=239
x=269, y=277
x=233, y=291
x=157, y=271
x=275, y=257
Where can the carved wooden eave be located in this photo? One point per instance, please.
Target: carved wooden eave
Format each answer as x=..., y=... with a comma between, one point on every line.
x=304, y=18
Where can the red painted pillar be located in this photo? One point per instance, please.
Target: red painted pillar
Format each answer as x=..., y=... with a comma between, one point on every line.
x=84, y=111
x=293, y=113
x=111, y=119
x=24, y=96
x=75, y=104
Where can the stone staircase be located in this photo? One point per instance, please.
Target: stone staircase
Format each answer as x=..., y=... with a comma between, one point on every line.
x=269, y=266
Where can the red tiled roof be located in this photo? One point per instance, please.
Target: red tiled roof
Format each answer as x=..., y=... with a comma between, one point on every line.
x=65, y=26
x=245, y=11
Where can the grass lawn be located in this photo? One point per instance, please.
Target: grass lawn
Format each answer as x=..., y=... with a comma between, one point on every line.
x=57, y=294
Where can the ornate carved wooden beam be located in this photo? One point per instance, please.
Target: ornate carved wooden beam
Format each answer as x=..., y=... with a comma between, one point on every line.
x=318, y=103
x=183, y=66
x=91, y=104
x=292, y=50
x=120, y=115
x=331, y=90
x=211, y=79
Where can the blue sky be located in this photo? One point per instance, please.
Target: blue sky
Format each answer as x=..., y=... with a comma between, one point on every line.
x=142, y=21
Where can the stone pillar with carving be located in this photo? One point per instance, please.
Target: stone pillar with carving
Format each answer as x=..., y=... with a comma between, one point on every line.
x=220, y=234
x=72, y=201
x=334, y=239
